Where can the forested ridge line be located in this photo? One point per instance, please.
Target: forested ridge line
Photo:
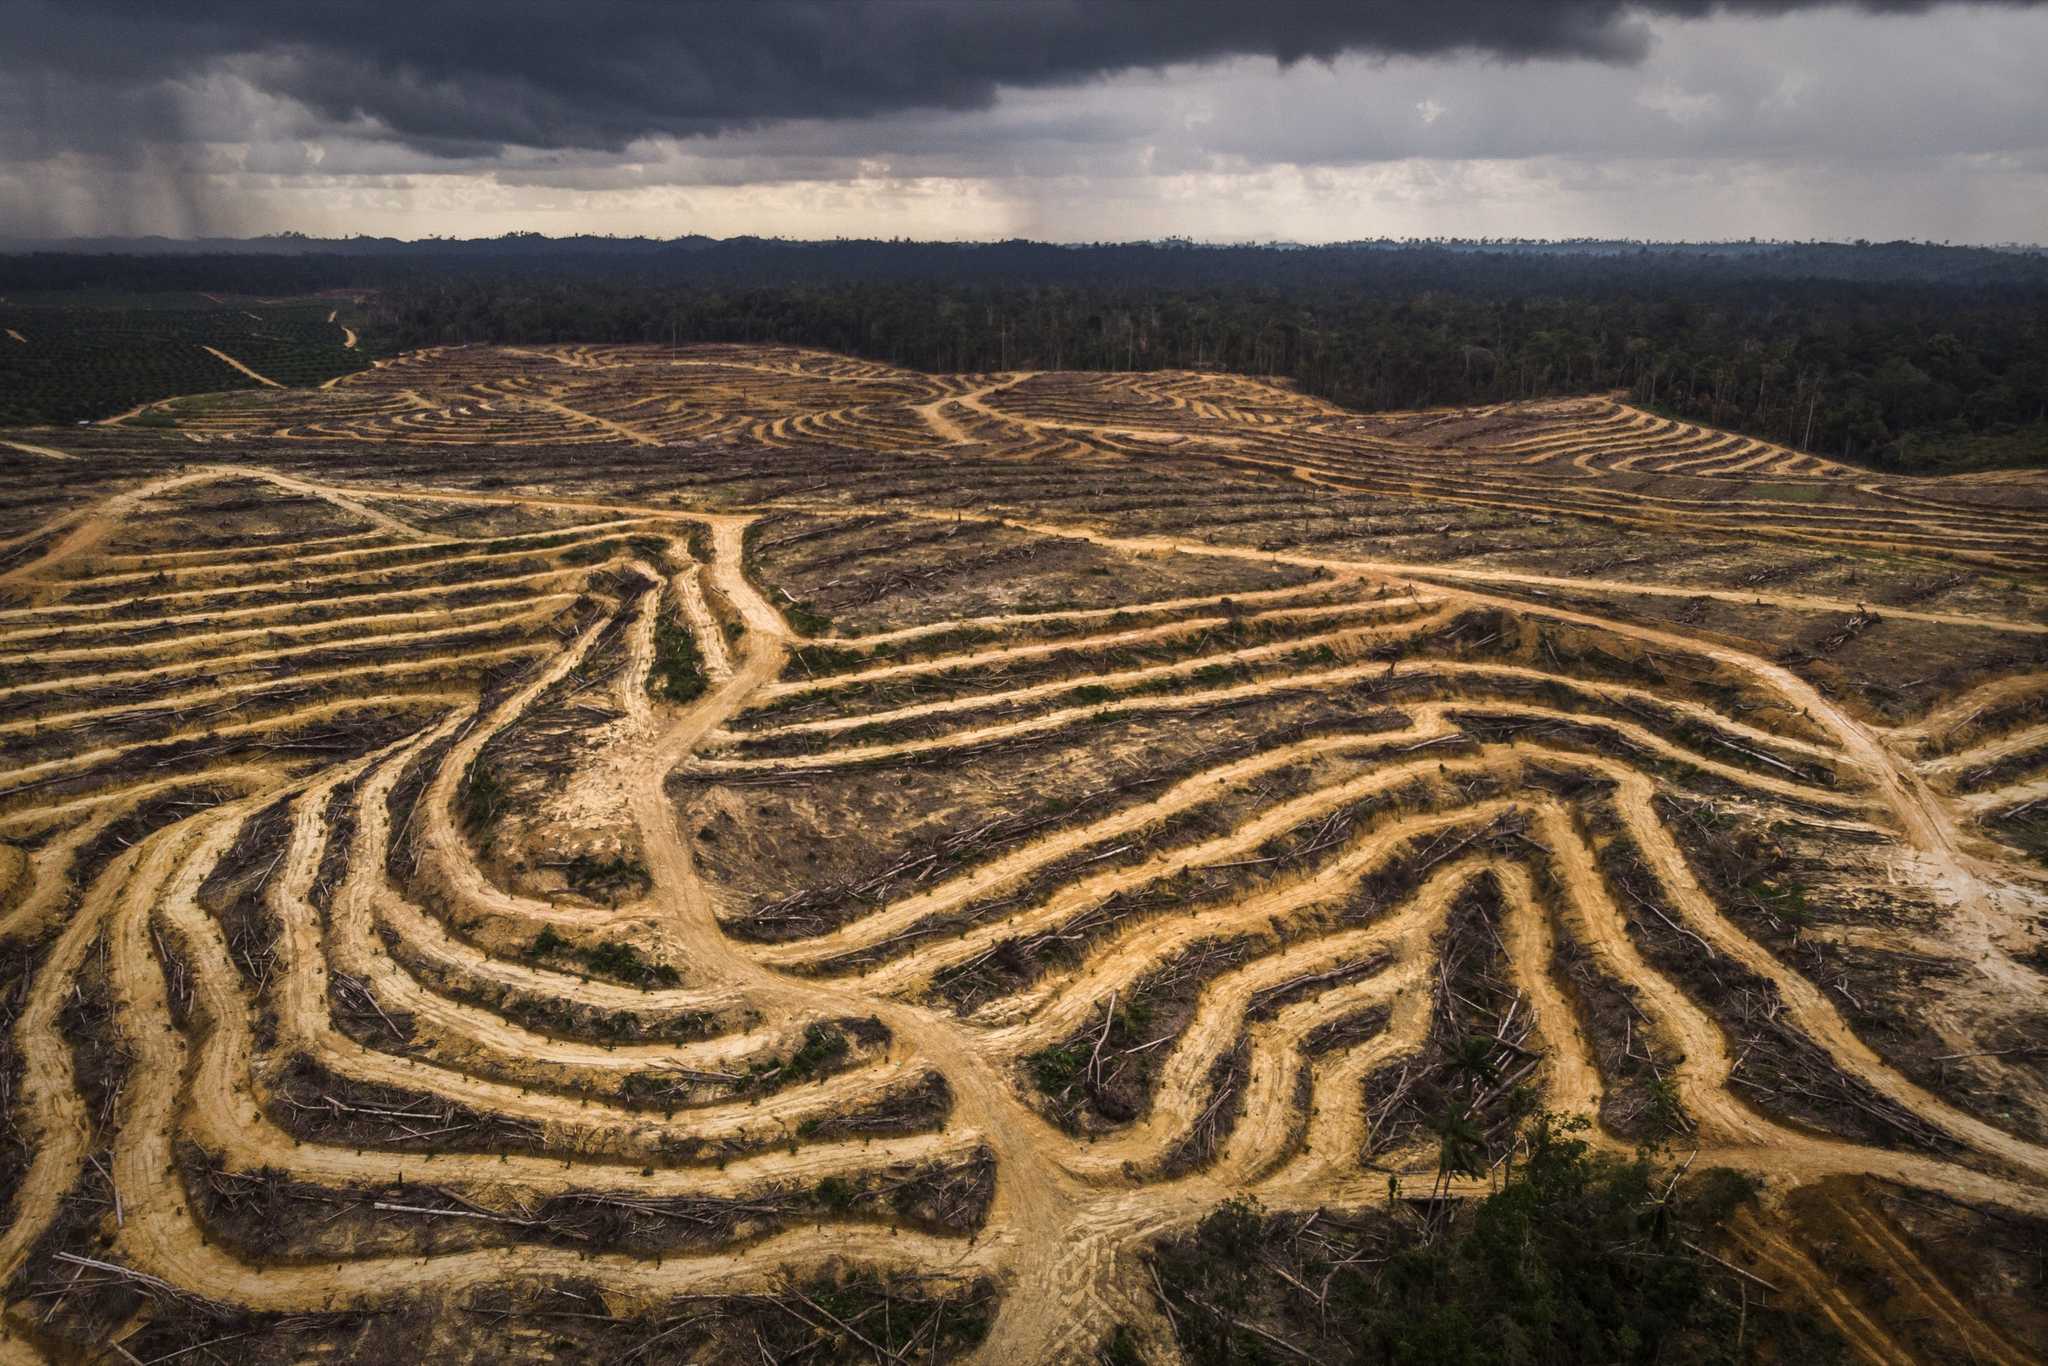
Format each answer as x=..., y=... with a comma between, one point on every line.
x=1911, y=357
x=1901, y=377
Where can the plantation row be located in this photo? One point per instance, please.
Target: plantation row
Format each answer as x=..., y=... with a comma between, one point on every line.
x=74, y=364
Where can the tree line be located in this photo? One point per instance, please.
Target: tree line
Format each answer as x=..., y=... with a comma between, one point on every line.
x=1903, y=377
x=1906, y=356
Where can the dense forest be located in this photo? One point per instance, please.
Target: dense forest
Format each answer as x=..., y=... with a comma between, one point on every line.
x=1903, y=356
x=1913, y=378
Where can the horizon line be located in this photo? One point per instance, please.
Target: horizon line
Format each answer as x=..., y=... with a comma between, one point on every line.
x=291, y=237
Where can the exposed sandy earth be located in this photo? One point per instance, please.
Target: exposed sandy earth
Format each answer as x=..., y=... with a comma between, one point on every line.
x=337, y=784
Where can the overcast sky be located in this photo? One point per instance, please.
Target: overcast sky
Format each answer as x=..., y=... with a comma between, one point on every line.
x=1303, y=120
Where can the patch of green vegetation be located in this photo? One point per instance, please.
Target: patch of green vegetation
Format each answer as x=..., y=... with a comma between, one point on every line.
x=205, y=405
x=836, y=1192
x=824, y=1046
x=615, y=959
x=806, y=620
x=677, y=674
x=605, y=879
x=820, y=661
x=1578, y=1256
x=619, y=961
x=1784, y=897
x=1055, y=1070
x=1667, y=1107
x=2012, y=446
x=154, y=418
x=591, y=553
x=1217, y=675
x=96, y=354
x=1120, y=1350
x=483, y=796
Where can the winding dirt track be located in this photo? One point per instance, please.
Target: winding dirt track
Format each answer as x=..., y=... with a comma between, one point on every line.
x=48, y=453
x=1068, y=1209
x=226, y=359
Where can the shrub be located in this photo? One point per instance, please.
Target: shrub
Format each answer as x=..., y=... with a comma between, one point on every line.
x=483, y=796
x=613, y=959
x=678, y=671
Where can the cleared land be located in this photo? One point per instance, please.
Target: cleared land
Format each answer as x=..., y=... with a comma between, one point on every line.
x=746, y=854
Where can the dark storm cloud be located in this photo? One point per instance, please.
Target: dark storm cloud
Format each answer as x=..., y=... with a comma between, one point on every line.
x=462, y=78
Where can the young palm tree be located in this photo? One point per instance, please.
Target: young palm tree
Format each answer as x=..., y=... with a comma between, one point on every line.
x=1461, y=1149
x=1472, y=1059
